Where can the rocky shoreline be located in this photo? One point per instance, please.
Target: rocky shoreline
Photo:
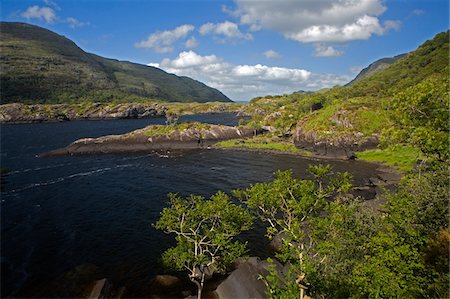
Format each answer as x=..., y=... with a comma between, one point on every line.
x=146, y=140
x=21, y=113
x=38, y=113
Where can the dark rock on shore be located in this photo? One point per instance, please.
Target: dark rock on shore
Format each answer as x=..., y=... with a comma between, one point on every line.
x=334, y=146
x=80, y=282
x=202, y=136
x=244, y=282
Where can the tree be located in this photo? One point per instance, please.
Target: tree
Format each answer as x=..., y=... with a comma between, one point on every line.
x=421, y=116
x=399, y=251
x=287, y=204
x=204, y=231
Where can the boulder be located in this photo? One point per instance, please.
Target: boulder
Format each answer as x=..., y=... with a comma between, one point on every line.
x=244, y=282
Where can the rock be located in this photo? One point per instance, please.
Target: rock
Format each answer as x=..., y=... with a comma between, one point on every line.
x=332, y=145
x=168, y=286
x=351, y=156
x=276, y=242
x=62, y=112
x=165, y=281
x=139, y=141
x=101, y=289
x=244, y=282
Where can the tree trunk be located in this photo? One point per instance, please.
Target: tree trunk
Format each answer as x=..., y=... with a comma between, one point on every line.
x=199, y=287
x=199, y=291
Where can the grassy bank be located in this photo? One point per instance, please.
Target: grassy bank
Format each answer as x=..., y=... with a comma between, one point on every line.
x=400, y=157
x=264, y=143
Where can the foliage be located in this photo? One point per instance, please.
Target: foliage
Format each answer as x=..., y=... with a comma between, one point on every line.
x=363, y=254
x=204, y=231
x=374, y=105
x=286, y=204
x=401, y=157
x=340, y=248
x=421, y=115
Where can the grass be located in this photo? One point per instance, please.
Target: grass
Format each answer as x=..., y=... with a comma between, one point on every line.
x=401, y=157
x=262, y=143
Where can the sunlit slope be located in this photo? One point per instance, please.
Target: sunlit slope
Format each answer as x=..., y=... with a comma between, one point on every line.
x=38, y=65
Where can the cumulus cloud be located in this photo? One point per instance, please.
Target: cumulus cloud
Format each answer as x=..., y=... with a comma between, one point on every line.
x=225, y=31
x=243, y=82
x=191, y=43
x=46, y=14
x=74, y=23
x=162, y=41
x=271, y=54
x=322, y=50
x=316, y=21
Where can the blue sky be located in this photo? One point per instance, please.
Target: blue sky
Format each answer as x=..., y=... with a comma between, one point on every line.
x=243, y=48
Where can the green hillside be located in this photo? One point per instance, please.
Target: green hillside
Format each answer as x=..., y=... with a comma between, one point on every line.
x=40, y=66
x=376, y=67
x=364, y=105
x=407, y=102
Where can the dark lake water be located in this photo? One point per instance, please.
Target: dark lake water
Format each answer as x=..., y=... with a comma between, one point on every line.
x=61, y=212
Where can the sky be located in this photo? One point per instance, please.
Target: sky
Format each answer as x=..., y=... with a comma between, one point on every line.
x=243, y=48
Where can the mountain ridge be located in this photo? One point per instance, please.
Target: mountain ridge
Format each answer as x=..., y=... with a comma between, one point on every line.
x=375, y=67
x=41, y=66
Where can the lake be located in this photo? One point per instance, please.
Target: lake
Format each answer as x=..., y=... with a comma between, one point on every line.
x=61, y=212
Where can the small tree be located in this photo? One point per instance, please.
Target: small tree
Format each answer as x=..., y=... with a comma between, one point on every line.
x=286, y=204
x=204, y=232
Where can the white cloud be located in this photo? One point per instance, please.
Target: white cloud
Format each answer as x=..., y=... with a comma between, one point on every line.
x=162, y=41
x=225, y=31
x=243, y=82
x=191, y=43
x=392, y=25
x=316, y=21
x=271, y=54
x=74, y=23
x=322, y=50
x=418, y=12
x=188, y=60
x=52, y=4
x=41, y=13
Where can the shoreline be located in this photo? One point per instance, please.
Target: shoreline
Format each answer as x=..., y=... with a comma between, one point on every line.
x=387, y=173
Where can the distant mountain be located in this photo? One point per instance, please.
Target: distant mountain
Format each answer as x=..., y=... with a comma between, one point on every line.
x=40, y=66
x=375, y=67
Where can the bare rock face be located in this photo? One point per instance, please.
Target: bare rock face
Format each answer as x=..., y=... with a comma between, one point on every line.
x=328, y=144
x=142, y=141
x=243, y=282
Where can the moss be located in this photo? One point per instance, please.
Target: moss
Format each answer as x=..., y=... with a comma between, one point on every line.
x=401, y=157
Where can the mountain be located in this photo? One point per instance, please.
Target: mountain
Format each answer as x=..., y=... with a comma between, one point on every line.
x=40, y=66
x=375, y=67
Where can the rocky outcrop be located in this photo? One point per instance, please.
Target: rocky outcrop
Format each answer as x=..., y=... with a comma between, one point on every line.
x=332, y=145
x=17, y=113
x=244, y=282
x=146, y=140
